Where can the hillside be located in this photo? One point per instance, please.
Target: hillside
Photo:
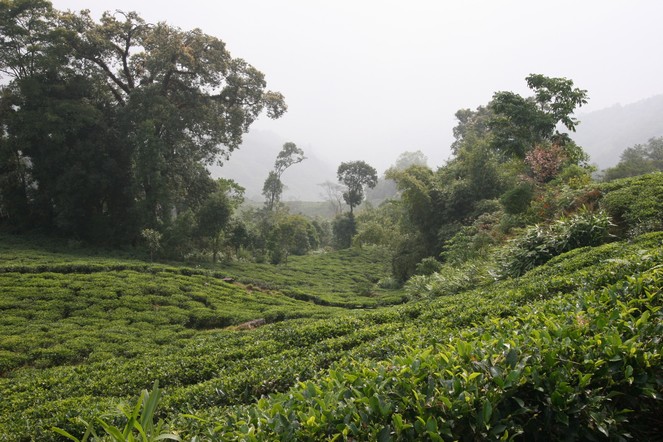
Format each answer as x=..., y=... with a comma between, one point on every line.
x=217, y=368
x=570, y=349
x=604, y=134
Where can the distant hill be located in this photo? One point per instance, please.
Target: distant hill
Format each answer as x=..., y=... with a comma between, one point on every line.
x=250, y=164
x=604, y=134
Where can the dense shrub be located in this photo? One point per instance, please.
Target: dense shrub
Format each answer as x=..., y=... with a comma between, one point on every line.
x=476, y=240
x=449, y=279
x=538, y=244
x=212, y=370
x=408, y=254
x=636, y=204
x=517, y=200
x=428, y=266
x=576, y=367
x=344, y=228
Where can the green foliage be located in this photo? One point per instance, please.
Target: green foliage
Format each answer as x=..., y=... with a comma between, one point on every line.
x=153, y=240
x=213, y=217
x=450, y=279
x=428, y=266
x=356, y=175
x=290, y=154
x=408, y=253
x=488, y=383
x=140, y=424
x=538, y=244
x=219, y=374
x=438, y=204
x=344, y=228
x=179, y=238
x=638, y=160
x=519, y=124
x=272, y=190
x=474, y=241
x=517, y=199
x=389, y=283
x=418, y=192
x=580, y=364
x=378, y=226
x=59, y=309
x=636, y=204
x=292, y=234
x=108, y=125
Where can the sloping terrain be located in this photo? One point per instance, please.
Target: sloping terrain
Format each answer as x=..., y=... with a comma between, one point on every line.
x=219, y=368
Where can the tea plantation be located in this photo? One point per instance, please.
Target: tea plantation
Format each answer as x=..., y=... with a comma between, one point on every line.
x=570, y=350
x=572, y=346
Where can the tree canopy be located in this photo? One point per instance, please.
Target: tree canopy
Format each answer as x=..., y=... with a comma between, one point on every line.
x=108, y=124
x=355, y=176
x=518, y=124
x=637, y=160
x=505, y=154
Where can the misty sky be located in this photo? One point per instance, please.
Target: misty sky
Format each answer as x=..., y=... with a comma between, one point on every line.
x=366, y=80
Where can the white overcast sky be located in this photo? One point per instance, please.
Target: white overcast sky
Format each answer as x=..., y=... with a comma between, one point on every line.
x=369, y=79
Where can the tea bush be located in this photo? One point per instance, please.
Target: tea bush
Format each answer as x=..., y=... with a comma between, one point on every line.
x=538, y=244
x=636, y=204
x=583, y=367
x=212, y=373
x=215, y=370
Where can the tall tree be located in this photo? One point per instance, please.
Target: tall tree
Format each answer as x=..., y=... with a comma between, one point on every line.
x=273, y=188
x=518, y=124
x=27, y=41
x=356, y=175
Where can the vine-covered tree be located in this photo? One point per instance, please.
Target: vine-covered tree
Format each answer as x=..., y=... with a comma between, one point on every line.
x=356, y=175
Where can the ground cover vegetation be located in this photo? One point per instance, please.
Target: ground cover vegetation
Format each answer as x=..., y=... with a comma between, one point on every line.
x=216, y=370
x=64, y=308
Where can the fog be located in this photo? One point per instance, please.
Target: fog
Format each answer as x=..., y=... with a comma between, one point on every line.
x=367, y=80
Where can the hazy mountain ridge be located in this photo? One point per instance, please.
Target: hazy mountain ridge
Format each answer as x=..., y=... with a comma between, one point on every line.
x=604, y=134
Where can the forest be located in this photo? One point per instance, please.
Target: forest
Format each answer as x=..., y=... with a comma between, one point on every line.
x=512, y=293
